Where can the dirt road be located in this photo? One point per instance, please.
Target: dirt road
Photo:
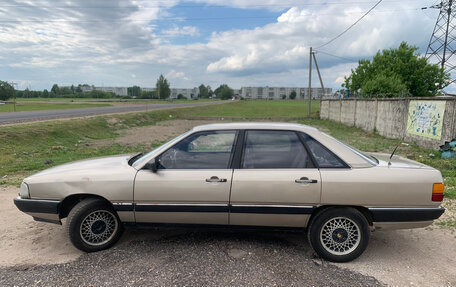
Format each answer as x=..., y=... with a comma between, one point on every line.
x=421, y=257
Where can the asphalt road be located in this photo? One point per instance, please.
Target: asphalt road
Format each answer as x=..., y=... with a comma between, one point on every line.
x=207, y=258
x=17, y=117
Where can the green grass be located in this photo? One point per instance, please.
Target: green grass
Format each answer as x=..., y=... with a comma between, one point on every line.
x=27, y=106
x=257, y=109
x=154, y=101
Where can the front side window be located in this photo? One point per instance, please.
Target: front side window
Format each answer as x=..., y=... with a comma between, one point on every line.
x=274, y=149
x=204, y=150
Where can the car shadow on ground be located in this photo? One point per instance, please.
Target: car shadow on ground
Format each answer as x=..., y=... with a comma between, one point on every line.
x=205, y=258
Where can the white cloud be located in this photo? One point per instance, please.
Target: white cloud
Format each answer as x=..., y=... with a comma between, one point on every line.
x=176, y=31
x=115, y=45
x=176, y=75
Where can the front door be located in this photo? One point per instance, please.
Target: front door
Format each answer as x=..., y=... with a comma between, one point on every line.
x=277, y=183
x=192, y=184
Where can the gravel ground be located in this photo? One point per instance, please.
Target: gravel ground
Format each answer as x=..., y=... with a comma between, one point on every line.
x=193, y=259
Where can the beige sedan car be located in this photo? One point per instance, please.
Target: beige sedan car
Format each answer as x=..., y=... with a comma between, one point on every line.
x=240, y=175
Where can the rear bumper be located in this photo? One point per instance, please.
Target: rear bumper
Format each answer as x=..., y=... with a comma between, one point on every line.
x=39, y=209
x=386, y=214
x=404, y=218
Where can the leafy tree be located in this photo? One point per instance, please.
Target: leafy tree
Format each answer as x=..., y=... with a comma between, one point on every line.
x=181, y=97
x=6, y=91
x=393, y=72
x=65, y=91
x=203, y=91
x=210, y=93
x=148, y=95
x=78, y=89
x=55, y=89
x=134, y=91
x=224, y=92
x=293, y=95
x=162, y=87
x=45, y=93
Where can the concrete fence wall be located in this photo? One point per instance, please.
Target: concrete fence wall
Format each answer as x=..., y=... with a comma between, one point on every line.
x=388, y=117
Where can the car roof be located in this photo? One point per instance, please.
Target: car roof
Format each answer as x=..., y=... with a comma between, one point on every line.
x=262, y=126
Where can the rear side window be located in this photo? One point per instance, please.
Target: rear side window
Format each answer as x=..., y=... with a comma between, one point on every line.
x=323, y=156
x=274, y=149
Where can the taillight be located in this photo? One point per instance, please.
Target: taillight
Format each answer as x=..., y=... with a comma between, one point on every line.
x=437, y=191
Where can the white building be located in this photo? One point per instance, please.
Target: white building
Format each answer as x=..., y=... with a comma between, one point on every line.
x=279, y=93
x=119, y=91
x=188, y=93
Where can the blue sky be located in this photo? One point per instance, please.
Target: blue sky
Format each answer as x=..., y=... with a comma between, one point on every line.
x=237, y=42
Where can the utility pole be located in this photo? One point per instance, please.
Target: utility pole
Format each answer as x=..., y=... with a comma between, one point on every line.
x=442, y=45
x=313, y=58
x=14, y=95
x=319, y=77
x=310, y=83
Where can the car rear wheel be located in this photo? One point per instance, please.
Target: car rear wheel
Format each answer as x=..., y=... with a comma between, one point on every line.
x=93, y=225
x=339, y=234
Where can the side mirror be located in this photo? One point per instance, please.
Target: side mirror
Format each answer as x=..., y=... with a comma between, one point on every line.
x=153, y=166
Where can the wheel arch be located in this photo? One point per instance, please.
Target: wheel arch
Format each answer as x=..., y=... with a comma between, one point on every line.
x=70, y=201
x=364, y=211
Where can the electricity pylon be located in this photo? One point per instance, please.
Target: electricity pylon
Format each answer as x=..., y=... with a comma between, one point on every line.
x=442, y=45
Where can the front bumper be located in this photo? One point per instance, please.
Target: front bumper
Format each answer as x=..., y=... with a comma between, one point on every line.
x=40, y=209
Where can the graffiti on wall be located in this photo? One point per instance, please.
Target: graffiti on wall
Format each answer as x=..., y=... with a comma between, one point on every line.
x=425, y=118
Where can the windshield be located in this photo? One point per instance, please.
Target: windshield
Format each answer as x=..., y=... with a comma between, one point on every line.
x=146, y=157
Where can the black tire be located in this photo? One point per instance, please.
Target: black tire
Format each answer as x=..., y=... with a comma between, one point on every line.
x=93, y=225
x=339, y=234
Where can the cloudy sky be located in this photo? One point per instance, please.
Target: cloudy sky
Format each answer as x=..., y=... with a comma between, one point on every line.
x=238, y=42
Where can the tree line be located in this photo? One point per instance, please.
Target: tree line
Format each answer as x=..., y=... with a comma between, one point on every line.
x=162, y=91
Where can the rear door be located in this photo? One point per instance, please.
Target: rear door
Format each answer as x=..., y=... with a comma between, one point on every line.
x=276, y=182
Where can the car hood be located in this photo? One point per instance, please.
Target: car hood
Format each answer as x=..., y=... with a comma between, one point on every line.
x=88, y=168
x=397, y=161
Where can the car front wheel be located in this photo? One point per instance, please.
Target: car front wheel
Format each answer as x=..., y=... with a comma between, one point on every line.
x=339, y=234
x=93, y=225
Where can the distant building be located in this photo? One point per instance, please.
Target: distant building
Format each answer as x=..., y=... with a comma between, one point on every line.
x=119, y=91
x=188, y=93
x=279, y=93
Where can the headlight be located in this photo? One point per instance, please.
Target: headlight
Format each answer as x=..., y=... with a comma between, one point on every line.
x=24, y=191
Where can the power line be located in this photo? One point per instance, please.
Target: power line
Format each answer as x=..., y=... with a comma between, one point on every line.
x=351, y=26
x=185, y=19
x=193, y=6
x=332, y=55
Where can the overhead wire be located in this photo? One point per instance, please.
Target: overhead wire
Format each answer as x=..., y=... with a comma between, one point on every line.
x=189, y=6
x=351, y=26
x=126, y=19
x=332, y=55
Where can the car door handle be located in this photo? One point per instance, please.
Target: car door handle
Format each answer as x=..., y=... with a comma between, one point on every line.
x=306, y=180
x=215, y=179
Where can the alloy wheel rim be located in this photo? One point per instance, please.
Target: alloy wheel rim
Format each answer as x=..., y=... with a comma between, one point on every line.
x=98, y=228
x=340, y=236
